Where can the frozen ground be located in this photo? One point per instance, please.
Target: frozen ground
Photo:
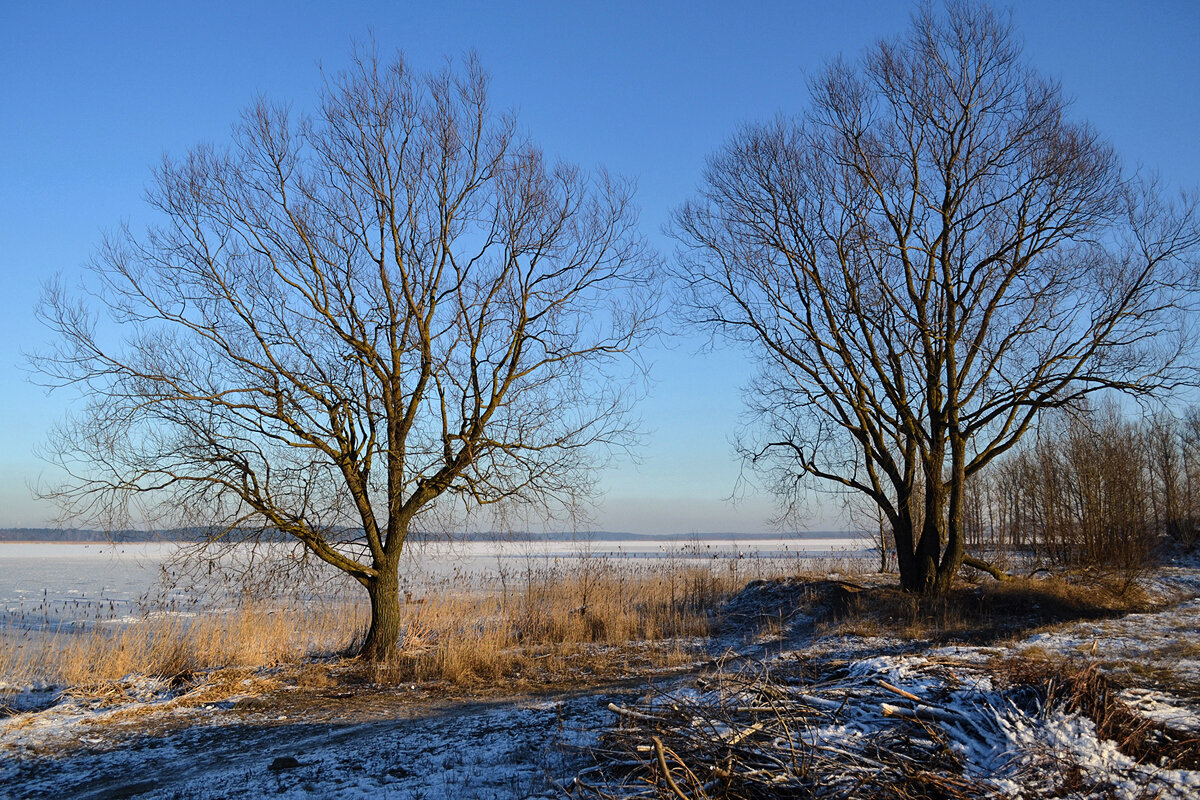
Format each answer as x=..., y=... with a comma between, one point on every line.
x=861, y=699
x=380, y=744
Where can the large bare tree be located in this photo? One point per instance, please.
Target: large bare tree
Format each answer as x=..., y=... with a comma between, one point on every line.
x=346, y=321
x=923, y=261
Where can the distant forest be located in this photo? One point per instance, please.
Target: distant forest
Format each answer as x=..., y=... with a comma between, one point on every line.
x=193, y=535
x=76, y=535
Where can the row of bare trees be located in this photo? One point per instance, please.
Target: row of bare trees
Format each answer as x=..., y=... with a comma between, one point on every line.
x=1093, y=489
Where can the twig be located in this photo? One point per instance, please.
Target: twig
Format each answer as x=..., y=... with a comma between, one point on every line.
x=662, y=764
x=755, y=728
x=902, y=693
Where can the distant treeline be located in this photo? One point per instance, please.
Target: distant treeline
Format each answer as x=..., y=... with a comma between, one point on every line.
x=197, y=535
x=85, y=535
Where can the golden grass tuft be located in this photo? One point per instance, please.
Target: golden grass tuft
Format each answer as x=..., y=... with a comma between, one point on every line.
x=1083, y=687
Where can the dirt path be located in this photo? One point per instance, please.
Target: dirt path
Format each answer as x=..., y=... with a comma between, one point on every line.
x=364, y=743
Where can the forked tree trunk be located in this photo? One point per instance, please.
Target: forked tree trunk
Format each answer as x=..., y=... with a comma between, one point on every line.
x=918, y=571
x=920, y=576
x=384, y=633
x=924, y=577
x=921, y=572
x=929, y=559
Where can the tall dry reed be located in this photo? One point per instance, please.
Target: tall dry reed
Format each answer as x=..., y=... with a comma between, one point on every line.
x=166, y=645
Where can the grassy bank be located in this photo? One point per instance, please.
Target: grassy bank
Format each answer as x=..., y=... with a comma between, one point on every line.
x=548, y=620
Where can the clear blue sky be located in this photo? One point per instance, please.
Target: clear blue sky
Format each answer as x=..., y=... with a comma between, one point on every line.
x=93, y=93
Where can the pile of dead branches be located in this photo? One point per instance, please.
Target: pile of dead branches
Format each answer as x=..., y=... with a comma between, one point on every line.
x=888, y=727
x=748, y=734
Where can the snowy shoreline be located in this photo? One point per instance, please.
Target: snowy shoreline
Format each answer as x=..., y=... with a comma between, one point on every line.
x=270, y=734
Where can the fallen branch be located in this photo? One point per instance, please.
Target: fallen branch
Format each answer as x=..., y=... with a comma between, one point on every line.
x=755, y=728
x=988, y=567
x=902, y=693
x=628, y=712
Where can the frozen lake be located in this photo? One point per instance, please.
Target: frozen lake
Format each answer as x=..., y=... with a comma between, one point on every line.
x=54, y=584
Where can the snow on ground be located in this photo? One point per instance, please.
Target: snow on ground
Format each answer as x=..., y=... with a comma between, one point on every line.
x=1165, y=642
x=1178, y=713
x=1007, y=739
x=492, y=750
x=255, y=737
x=875, y=716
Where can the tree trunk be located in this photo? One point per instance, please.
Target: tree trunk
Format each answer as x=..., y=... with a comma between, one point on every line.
x=384, y=633
x=921, y=575
x=921, y=561
x=953, y=546
x=924, y=574
x=917, y=571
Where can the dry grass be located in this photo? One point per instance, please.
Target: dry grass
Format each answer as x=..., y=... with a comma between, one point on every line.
x=166, y=646
x=573, y=621
x=982, y=613
x=549, y=622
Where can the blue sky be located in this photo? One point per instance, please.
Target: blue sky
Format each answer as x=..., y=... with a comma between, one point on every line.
x=94, y=93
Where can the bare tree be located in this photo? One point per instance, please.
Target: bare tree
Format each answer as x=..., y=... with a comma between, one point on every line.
x=925, y=260
x=1189, y=530
x=1163, y=439
x=348, y=321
